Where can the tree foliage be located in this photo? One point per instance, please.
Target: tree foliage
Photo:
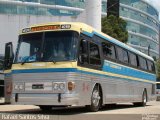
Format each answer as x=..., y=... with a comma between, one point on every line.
x=158, y=68
x=115, y=27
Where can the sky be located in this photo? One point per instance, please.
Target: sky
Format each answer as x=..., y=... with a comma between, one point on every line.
x=155, y=3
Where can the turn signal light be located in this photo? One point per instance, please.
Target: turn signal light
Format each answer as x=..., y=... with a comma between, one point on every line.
x=71, y=86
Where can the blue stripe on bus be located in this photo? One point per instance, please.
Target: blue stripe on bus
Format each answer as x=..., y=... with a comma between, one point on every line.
x=129, y=73
x=44, y=70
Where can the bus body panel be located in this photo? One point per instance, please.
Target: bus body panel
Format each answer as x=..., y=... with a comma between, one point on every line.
x=119, y=83
x=115, y=89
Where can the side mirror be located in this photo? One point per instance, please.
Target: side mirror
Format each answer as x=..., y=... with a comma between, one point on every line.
x=9, y=56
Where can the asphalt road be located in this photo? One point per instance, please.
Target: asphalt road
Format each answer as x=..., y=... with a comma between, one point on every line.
x=116, y=112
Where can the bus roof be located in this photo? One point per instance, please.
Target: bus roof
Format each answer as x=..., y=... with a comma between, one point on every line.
x=84, y=28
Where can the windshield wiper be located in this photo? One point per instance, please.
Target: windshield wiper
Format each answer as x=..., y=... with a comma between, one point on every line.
x=54, y=61
x=25, y=60
x=51, y=58
x=35, y=57
x=28, y=59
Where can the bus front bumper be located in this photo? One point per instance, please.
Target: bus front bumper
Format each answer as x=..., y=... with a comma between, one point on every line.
x=45, y=99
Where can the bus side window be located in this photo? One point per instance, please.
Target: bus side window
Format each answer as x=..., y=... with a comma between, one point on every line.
x=125, y=56
x=122, y=55
x=94, y=54
x=138, y=63
x=151, y=67
x=142, y=63
x=83, y=52
x=133, y=59
x=108, y=50
x=119, y=54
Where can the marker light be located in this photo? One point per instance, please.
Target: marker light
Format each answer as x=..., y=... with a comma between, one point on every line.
x=71, y=86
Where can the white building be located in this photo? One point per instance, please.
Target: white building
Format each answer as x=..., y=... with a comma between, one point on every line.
x=141, y=18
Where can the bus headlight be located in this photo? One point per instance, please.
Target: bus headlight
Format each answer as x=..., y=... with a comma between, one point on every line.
x=55, y=86
x=21, y=87
x=59, y=86
x=62, y=86
x=18, y=86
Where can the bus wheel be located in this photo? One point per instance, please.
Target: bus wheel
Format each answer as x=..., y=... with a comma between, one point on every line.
x=96, y=99
x=144, y=100
x=45, y=108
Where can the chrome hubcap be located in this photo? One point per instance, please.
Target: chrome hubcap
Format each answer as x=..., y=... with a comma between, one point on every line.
x=144, y=98
x=95, y=97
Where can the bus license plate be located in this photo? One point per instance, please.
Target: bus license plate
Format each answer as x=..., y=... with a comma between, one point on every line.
x=37, y=86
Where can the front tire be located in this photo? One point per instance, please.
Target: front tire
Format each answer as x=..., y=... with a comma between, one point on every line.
x=96, y=100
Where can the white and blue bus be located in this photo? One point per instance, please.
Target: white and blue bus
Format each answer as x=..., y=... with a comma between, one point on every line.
x=72, y=64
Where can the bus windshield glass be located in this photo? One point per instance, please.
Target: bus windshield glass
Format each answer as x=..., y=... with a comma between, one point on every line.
x=47, y=47
x=60, y=46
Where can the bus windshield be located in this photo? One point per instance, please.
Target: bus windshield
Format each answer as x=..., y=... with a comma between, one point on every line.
x=47, y=47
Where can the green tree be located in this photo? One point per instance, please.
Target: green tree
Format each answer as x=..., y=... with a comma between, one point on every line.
x=115, y=27
x=158, y=68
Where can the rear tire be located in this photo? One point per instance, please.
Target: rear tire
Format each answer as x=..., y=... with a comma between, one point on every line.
x=45, y=108
x=144, y=100
x=96, y=100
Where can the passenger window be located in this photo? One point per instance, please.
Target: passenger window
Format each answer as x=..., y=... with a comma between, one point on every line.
x=150, y=66
x=125, y=56
x=142, y=63
x=94, y=54
x=119, y=54
x=108, y=50
x=83, y=52
x=133, y=59
x=122, y=55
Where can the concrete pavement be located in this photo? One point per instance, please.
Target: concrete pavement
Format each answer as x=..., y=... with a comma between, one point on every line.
x=120, y=112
